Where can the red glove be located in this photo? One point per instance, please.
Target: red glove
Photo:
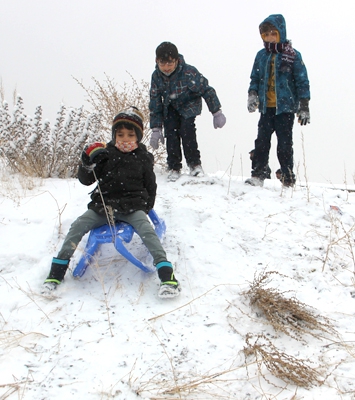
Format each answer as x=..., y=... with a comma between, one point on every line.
x=92, y=151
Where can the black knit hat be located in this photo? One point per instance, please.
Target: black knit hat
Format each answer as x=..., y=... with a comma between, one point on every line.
x=131, y=117
x=167, y=50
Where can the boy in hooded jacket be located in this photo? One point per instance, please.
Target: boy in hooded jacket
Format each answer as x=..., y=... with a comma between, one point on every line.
x=279, y=87
x=175, y=101
x=126, y=190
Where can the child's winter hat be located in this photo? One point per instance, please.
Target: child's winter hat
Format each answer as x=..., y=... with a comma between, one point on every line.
x=130, y=116
x=166, y=50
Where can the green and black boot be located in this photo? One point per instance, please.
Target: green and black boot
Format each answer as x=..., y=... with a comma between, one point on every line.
x=56, y=274
x=169, y=285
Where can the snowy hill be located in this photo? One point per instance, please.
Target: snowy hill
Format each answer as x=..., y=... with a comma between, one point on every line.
x=108, y=335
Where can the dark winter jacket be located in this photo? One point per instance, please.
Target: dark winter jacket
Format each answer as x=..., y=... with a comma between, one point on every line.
x=291, y=82
x=182, y=90
x=126, y=180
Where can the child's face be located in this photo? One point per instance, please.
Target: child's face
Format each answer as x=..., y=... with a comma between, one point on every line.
x=271, y=36
x=167, y=67
x=126, y=135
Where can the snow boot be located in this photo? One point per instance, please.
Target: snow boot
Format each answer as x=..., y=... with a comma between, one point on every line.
x=288, y=181
x=173, y=175
x=196, y=170
x=254, y=181
x=56, y=274
x=278, y=174
x=169, y=285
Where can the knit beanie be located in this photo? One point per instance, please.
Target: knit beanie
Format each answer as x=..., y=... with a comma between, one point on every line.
x=132, y=117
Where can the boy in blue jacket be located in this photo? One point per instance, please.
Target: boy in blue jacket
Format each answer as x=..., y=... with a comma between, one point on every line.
x=175, y=101
x=279, y=87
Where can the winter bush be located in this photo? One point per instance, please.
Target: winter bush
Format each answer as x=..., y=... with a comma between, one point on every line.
x=32, y=147
x=107, y=100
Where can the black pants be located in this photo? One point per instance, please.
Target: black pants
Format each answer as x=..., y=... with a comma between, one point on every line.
x=180, y=130
x=282, y=124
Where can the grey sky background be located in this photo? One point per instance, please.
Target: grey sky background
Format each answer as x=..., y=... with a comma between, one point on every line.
x=44, y=44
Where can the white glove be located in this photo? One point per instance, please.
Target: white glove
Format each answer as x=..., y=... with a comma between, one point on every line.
x=156, y=137
x=219, y=119
x=253, y=101
x=303, y=114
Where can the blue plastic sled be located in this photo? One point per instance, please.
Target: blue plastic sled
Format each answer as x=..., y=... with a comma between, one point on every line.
x=122, y=232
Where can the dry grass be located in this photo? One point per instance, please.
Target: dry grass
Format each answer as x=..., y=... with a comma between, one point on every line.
x=12, y=388
x=16, y=186
x=34, y=148
x=106, y=99
x=281, y=365
x=173, y=383
x=287, y=315
x=305, y=167
x=295, y=319
x=340, y=240
x=13, y=338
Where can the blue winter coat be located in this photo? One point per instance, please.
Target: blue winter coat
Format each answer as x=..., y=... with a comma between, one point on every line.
x=182, y=90
x=291, y=83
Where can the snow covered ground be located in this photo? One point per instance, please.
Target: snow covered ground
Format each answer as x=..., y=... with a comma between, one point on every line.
x=108, y=335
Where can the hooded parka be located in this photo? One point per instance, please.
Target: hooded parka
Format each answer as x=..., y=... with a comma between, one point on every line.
x=291, y=80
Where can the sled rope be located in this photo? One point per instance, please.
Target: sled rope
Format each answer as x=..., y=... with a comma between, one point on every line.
x=110, y=223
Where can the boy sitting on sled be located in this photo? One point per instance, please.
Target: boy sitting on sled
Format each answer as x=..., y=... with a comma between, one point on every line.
x=127, y=188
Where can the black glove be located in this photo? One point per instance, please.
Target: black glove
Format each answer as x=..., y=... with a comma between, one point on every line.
x=303, y=114
x=94, y=153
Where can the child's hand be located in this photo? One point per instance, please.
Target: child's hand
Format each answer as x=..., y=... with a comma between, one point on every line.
x=253, y=101
x=303, y=114
x=91, y=151
x=219, y=119
x=156, y=137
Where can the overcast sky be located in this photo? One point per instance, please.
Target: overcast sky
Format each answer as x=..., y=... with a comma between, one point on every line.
x=44, y=44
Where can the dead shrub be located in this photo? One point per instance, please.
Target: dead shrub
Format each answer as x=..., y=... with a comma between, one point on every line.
x=32, y=147
x=287, y=315
x=108, y=100
x=281, y=365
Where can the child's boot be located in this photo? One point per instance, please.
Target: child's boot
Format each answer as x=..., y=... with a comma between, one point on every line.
x=56, y=274
x=169, y=286
x=196, y=170
x=254, y=181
